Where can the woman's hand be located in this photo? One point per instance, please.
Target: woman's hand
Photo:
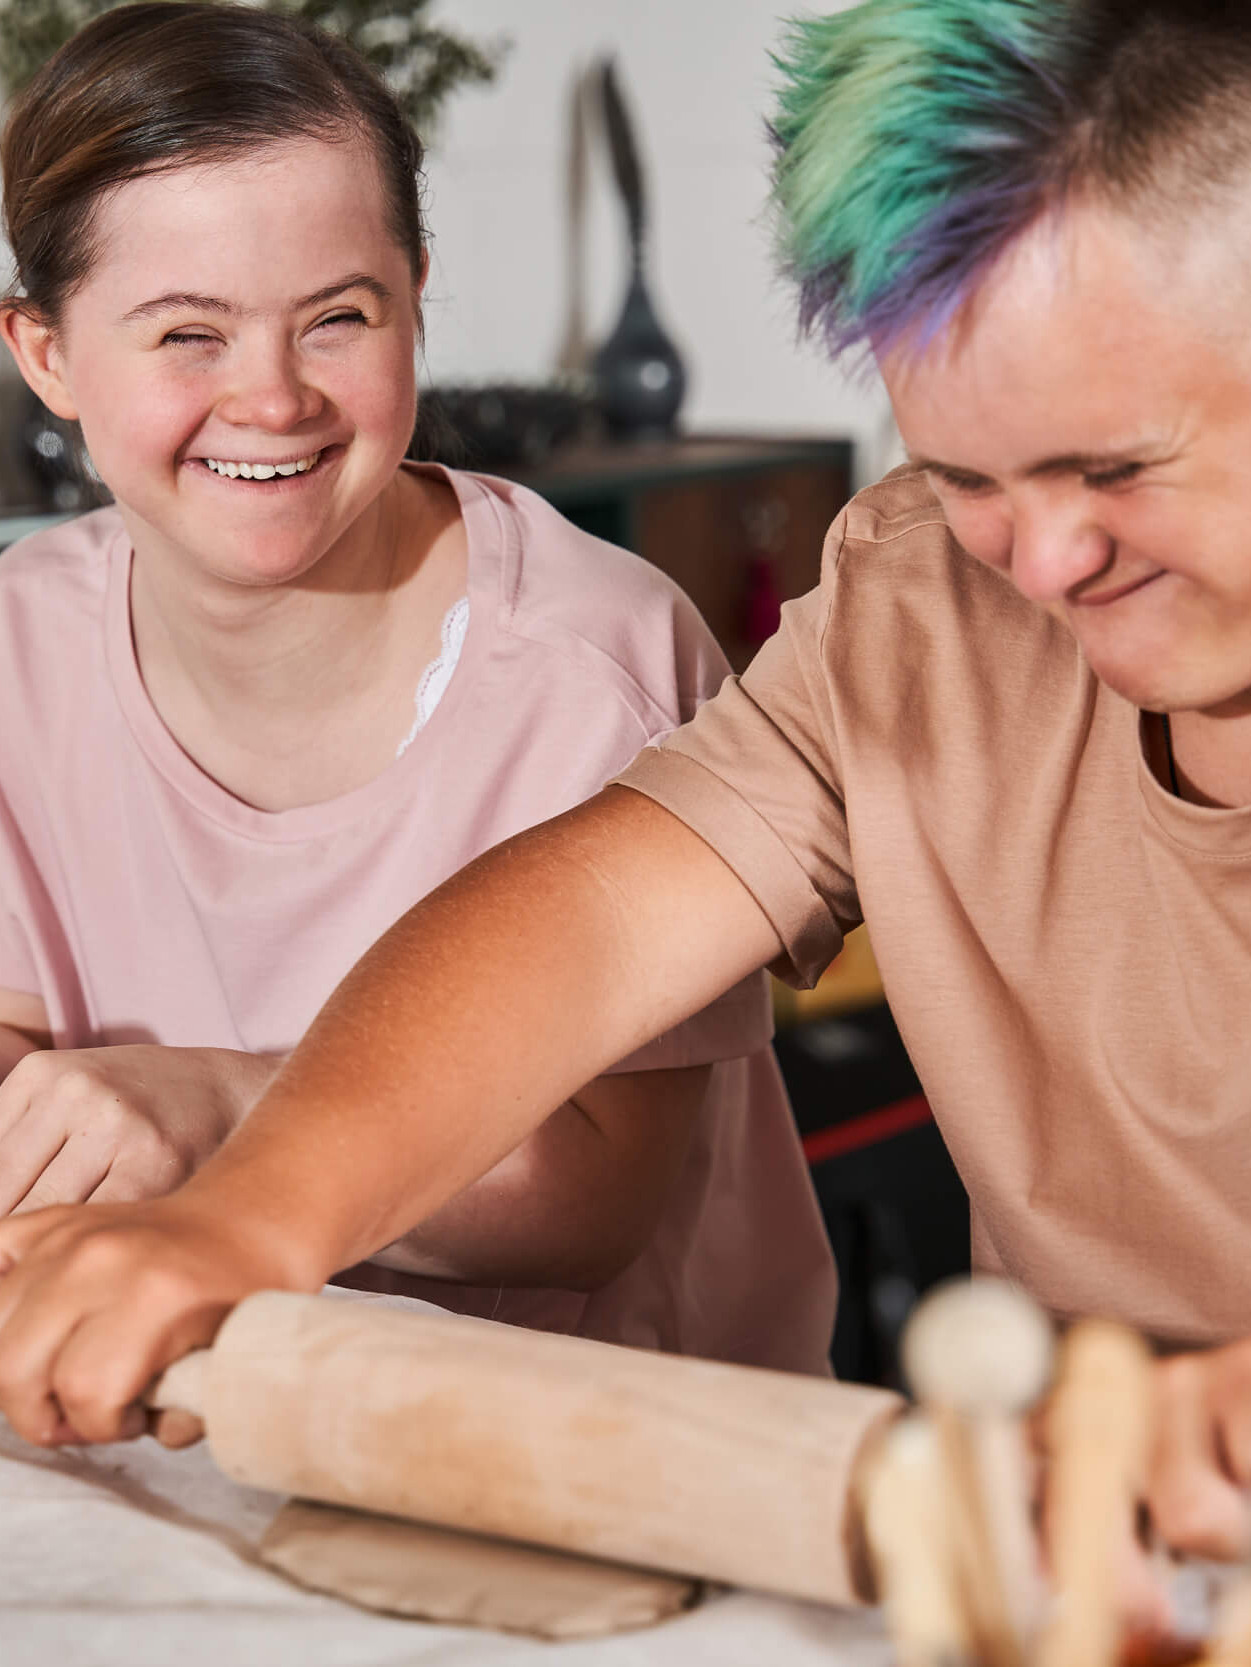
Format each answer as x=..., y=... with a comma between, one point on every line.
x=112, y=1125
x=95, y=1302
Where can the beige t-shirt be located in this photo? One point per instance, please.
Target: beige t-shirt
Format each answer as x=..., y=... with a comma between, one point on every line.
x=1066, y=946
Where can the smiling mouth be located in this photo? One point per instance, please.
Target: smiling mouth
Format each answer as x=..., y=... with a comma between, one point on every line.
x=1105, y=598
x=260, y=469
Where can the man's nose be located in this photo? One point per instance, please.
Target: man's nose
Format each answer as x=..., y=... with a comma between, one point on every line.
x=1056, y=547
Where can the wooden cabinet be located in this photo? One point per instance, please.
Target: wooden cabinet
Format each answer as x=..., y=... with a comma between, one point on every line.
x=737, y=522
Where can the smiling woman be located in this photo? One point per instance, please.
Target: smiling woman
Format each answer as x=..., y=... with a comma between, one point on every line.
x=216, y=221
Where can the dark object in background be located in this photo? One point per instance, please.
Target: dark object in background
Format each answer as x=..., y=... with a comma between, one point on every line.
x=491, y=426
x=56, y=461
x=895, y=1208
x=737, y=521
x=639, y=374
x=640, y=378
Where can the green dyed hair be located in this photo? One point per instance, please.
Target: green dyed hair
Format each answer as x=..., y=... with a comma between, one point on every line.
x=916, y=138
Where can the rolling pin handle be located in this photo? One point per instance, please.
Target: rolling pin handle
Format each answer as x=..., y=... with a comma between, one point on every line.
x=181, y=1387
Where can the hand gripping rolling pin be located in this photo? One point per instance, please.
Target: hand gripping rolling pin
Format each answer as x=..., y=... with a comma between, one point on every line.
x=730, y=1473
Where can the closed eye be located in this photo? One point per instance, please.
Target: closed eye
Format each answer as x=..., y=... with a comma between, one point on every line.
x=1104, y=480
x=194, y=338
x=955, y=481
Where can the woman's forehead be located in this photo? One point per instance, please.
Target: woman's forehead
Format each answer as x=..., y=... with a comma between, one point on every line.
x=288, y=216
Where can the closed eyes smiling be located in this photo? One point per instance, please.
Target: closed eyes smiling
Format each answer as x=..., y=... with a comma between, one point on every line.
x=195, y=338
x=1095, y=479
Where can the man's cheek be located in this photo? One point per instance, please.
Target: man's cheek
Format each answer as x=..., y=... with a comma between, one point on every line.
x=985, y=535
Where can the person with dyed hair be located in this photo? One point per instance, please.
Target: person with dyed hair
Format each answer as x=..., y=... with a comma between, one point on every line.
x=1011, y=730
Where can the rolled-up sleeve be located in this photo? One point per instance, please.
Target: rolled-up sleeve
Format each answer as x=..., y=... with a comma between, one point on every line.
x=756, y=775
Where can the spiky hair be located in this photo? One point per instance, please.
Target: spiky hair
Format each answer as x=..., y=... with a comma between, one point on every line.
x=916, y=138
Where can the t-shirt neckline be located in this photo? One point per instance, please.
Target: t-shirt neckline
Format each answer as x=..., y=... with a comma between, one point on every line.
x=487, y=534
x=1221, y=834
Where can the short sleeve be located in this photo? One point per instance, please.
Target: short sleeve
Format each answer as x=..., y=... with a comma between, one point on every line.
x=756, y=775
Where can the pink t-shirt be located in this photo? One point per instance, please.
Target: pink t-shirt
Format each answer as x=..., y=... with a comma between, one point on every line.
x=144, y=903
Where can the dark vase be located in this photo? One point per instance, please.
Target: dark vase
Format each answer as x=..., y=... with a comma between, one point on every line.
x=639, y=376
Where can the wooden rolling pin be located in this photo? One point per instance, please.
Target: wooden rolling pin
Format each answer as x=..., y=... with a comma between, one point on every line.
x=727, y=1472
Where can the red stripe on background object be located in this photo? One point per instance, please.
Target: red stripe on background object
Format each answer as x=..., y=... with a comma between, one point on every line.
x=858, y=1132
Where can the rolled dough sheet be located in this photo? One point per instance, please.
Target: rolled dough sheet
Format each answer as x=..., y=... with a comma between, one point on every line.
x=436, y=1574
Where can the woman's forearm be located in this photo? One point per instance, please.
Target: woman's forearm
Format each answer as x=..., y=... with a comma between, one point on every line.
x=483, y=1009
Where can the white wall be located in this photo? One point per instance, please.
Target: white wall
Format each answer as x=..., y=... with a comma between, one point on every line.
x=697, y=77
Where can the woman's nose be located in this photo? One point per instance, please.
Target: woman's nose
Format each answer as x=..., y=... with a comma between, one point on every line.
x=1055, y=547
x=269, y=392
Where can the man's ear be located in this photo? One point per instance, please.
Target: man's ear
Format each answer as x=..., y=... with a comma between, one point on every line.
x=33, y=344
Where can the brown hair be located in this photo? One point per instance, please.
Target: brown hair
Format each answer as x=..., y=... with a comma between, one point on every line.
x=160, y=84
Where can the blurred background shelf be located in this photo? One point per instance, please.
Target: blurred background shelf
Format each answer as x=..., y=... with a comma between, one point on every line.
x=737, y=520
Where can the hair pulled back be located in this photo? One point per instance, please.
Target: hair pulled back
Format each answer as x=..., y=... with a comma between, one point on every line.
x=167, y=83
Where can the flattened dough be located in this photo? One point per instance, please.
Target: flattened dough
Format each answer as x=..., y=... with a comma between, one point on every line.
x=436, y=1574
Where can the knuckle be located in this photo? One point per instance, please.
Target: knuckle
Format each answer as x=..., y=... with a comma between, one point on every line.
x=100, y=1255
x=112, y=1119
x=94, y=1412
x=76, y=1082
x=168, y=1290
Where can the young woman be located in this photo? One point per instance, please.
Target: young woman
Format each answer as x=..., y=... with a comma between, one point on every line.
x=289, y=684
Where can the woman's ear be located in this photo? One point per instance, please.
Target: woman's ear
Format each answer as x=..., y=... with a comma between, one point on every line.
x=33, y=344
x=419, y=289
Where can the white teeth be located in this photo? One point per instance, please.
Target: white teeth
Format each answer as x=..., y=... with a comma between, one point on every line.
x=261, y=471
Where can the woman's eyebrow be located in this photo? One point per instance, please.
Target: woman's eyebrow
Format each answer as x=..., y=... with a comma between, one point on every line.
x=186, y=301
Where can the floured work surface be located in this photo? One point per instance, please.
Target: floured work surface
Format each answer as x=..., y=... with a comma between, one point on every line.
x=132, y=1555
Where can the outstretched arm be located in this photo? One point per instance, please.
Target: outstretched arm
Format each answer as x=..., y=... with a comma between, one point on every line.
x=600, y=929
